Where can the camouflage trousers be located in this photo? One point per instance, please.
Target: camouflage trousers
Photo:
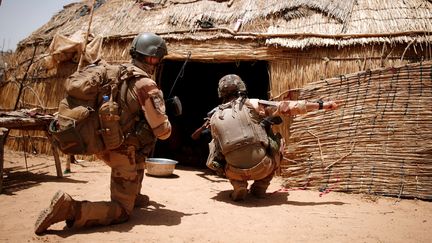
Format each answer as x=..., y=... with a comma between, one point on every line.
x=261, y=174
x=126, y=177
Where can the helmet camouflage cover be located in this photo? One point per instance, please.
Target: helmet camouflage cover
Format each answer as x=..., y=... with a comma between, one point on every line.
x=230, y=84
x=148, y=44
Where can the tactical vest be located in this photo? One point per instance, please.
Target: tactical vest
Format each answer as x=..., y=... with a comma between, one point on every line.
x=238, y=133
x=135, y=127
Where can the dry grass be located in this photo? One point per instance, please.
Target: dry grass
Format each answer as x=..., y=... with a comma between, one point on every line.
x=295, y=24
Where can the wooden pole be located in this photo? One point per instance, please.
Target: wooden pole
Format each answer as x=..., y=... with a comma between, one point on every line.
x=70, y=159
x=24, y=78
x=81, y=61
x=3, y=132
x=56, y=155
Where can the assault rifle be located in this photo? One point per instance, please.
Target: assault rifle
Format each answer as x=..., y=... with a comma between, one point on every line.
x=204, y=127
x=268, y=121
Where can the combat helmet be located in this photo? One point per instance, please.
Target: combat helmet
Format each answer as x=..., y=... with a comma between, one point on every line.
x=148, y=44
x=230, y=84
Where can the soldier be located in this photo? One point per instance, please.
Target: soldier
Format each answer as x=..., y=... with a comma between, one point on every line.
x=143, y=115
x=243, y=146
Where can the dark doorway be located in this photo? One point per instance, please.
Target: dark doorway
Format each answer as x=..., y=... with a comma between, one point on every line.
x=197, y=90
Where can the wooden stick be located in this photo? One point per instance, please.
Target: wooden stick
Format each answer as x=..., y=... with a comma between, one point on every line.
x=81, y=61
x=24, y=78
x=343, y=157
x=3, y=131
x=70, y=159
x=56, y=155
x=289, y=35
x=319, y=145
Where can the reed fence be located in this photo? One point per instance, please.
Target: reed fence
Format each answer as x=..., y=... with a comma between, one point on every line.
x=378, y=142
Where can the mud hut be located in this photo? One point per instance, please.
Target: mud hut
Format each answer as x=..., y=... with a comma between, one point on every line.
x=282, y=49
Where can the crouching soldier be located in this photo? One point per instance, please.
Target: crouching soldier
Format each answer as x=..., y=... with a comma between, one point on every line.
x=244, y=146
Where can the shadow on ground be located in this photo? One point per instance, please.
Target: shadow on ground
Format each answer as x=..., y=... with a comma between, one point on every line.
x=19, y=178
x=154, y=214
x=271, y=199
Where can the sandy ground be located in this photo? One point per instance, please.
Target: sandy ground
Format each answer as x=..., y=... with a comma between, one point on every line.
x=193, y=206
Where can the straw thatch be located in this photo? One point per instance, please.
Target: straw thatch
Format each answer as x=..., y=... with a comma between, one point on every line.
x=295, y=24
x=302, y=42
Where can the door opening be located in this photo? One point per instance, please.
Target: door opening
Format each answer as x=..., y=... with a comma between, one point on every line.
x=197, y=90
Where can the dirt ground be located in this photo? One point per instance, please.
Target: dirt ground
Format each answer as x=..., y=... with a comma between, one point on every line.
x=193, y=206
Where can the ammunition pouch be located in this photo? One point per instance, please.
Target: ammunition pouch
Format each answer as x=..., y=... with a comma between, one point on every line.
x=211, y=156
x=76, y=128
x=69, y=140
x=145, y=136
x=79, y=137
x=276, y=147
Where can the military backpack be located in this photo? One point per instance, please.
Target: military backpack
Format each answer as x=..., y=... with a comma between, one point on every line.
x=235, y=127
x=87, y=121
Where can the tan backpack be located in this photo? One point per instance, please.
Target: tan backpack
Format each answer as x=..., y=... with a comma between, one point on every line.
x=88, y=118
x=236, y=127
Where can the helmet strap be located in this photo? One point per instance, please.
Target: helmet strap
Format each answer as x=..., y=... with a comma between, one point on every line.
x=148, y=68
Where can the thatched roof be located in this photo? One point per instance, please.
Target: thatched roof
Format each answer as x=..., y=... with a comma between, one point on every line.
x=3, y=66
x=293, y=24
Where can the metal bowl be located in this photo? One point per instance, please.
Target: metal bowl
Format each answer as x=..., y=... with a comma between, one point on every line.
x=160, y=166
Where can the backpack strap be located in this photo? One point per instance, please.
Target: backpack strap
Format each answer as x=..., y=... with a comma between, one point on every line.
x=128, y=72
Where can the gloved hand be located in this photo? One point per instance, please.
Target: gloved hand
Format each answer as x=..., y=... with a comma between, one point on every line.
x=271, y=120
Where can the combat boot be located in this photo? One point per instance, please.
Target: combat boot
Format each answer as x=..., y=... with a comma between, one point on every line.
x=141, y=201
x=62, y=208
x=240, y=190
x=239, y=194
x=259, y=192
x=259, y=187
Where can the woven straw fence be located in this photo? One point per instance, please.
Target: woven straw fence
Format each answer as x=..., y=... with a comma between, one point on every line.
x=379, y=142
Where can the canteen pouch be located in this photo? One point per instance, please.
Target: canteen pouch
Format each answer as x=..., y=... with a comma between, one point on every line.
x=111, y=131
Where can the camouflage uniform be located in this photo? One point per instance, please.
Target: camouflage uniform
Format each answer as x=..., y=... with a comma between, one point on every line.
x=128, y=162
x=257, y=162
x=140, y=95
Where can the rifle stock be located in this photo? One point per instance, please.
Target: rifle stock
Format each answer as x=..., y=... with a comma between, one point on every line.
x=197, y=133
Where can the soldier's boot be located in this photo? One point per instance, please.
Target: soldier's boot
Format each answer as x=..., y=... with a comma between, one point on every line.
x=258, y=191
x=62, y=208
x=99, y=213
x=259, y=187
x=239, y=194
x=240, y=190
x=141, y=201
